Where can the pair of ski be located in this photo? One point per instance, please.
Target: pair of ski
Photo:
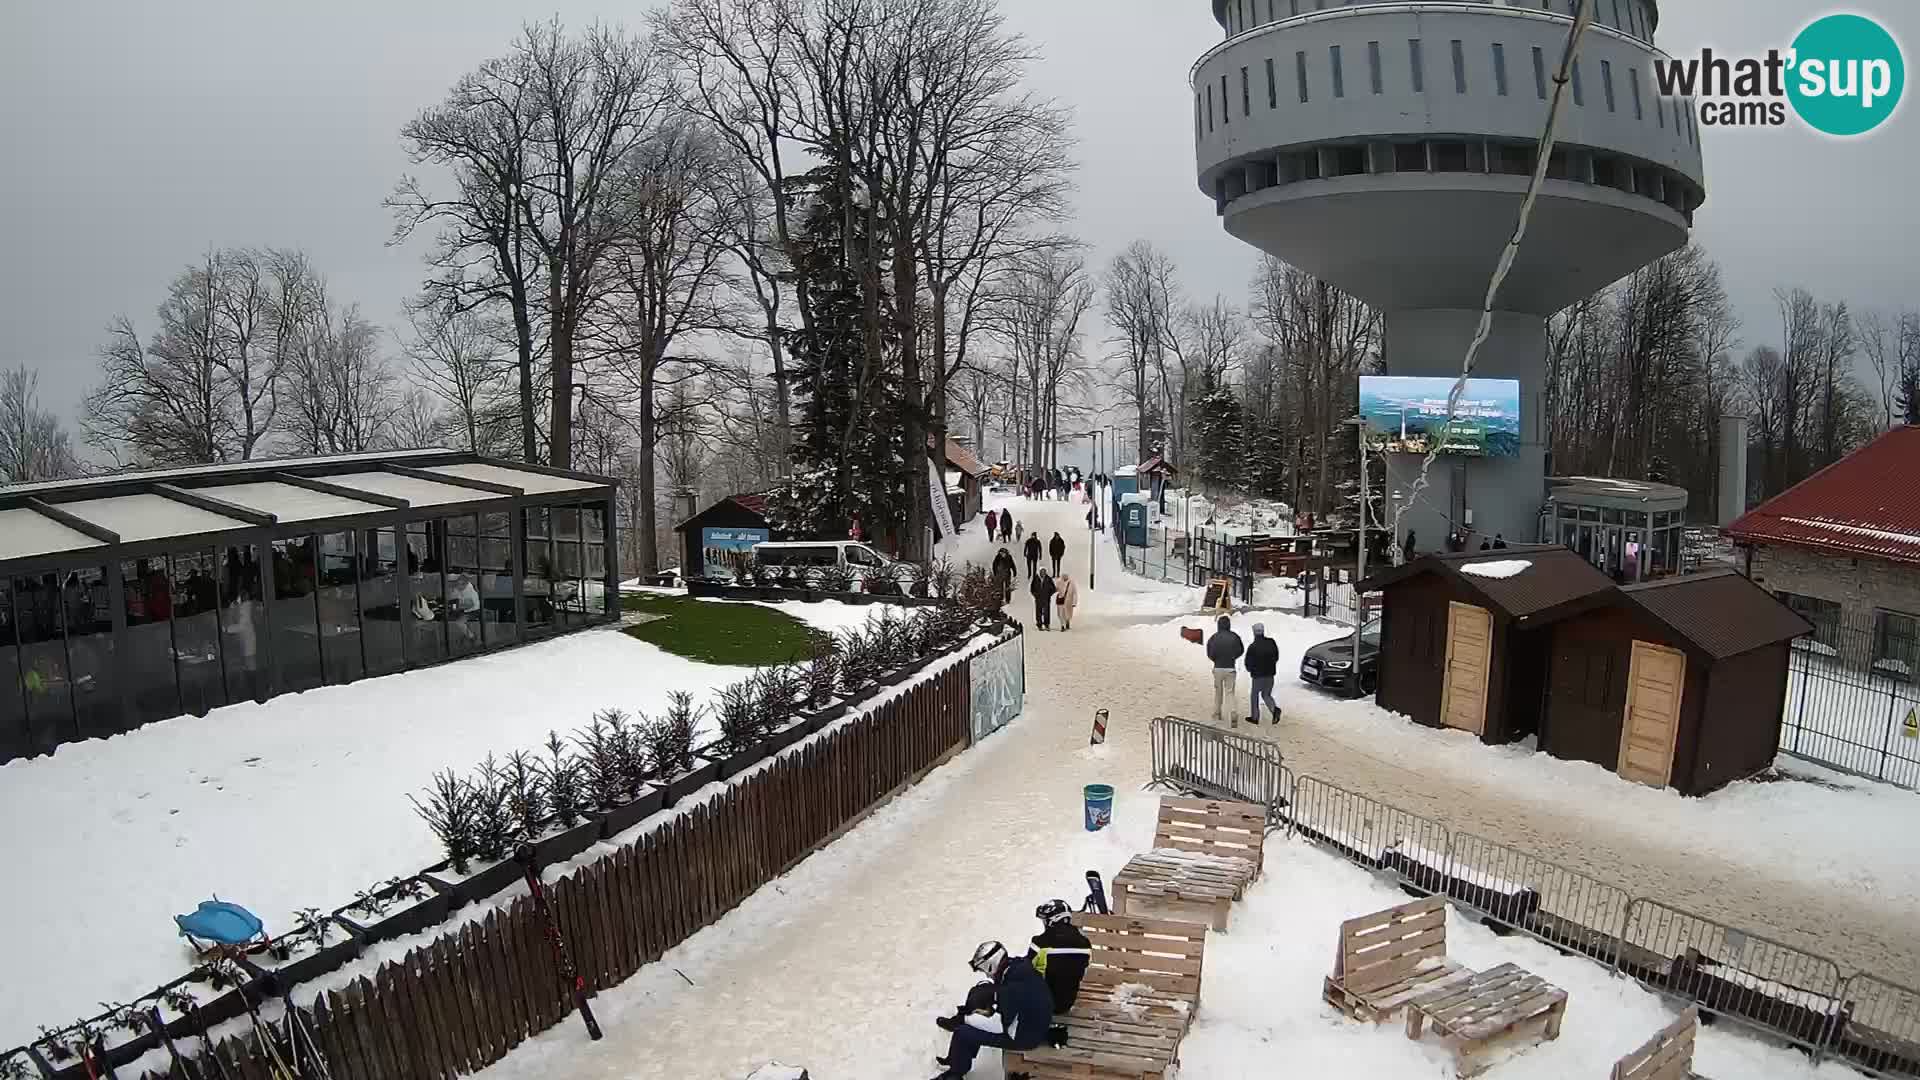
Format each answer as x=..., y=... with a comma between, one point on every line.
x=303, y=1059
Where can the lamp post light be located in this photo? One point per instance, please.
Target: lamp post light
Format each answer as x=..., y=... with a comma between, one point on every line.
x=1359, y=425
x=1093, y=519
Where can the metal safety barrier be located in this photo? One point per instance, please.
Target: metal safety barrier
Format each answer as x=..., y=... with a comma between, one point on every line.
x=1879, y=1029
x=1743, y=977
x=1748, y=979
x=1209, y=761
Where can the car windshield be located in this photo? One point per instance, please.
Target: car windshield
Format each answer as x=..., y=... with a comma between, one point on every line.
x=1370, y=633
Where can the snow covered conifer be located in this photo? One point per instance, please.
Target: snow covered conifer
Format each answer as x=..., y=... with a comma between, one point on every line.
x=495, y=828
x=449, y=812
x=561, y=771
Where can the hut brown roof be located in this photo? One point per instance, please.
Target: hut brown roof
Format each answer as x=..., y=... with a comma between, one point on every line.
x=1555, y=581
x=1721, y=613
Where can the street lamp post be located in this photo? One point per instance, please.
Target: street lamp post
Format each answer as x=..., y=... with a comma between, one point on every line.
x=1359, y=425
x=1093, y=524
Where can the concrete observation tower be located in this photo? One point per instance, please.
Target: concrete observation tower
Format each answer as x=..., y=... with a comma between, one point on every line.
x=1385, y=146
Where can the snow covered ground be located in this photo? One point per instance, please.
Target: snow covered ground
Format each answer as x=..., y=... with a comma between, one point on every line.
x=841, y=965
x=293, y=803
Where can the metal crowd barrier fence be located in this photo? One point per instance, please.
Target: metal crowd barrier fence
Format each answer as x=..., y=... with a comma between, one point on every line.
x=1218, y=763
x=1748, y=979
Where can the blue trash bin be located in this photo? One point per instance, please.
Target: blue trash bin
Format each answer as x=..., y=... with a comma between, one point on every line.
x=1099, y=804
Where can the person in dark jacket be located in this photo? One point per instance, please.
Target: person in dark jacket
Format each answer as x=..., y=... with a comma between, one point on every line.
x=1060, y=953
x=1006, y=525
x=1023, y=1012
x=1263, y=660
x=1408, y=549
x=1224, y=649
x=1042, y=590
x=1499, y=542
x=1003, y=571
x=1033, y=555
x=1057, y=548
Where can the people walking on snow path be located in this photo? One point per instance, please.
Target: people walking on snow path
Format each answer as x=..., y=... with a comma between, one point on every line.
x=1042, y=590
x=1006, y=525
x=1263, y=659
x=993, y=522
x=1023, y=1011
x=1057, y=549
x=1033, y=554
x=1224, y=649
x=1067, y=596
x=1003, y=571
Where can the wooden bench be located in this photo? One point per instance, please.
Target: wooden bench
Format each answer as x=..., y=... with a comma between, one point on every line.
x=1385, y=958
x=1666, y=1056
x=1139, y=996
x=1205, y=853
x=1489, y=1009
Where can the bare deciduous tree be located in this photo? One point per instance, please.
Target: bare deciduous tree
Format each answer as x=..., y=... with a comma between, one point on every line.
x=34, y=445
x=457, y=357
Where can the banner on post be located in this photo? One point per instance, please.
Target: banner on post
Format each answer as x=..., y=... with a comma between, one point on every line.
x=937, y=490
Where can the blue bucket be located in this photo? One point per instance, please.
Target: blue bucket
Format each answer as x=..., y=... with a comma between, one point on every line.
x=1099, y=804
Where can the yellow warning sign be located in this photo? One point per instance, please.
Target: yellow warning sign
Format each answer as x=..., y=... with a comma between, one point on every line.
x=1913, y=723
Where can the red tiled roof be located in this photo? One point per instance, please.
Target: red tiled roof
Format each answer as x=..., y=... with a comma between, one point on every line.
x=755, y=503
x=1867, y=503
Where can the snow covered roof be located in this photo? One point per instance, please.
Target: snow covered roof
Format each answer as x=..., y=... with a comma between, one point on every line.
x=526, y=480
x=1525, y=583
x=1867, y=503
x=417, y=492
x=25, y=533
x=288, y=503
x=149, y=517
x=191, y=471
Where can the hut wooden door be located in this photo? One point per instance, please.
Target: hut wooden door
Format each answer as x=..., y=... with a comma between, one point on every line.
x=1463, y=696
x=1654, y=684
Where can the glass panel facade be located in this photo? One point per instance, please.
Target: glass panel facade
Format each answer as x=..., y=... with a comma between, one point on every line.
x=296, y=628
x=14, y=741
x=243, y=623
x=566, y=586
x=496, y=579
x=40, y=614
x=380, y=601
x=463, y=584
x=541, y=562
x=196, y=629
x=339, y=601
x=593, y=522
x=148, y=667
x=427, y=583
x=91, y=663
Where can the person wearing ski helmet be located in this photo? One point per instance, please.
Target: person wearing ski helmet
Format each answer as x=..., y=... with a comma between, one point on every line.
x=1060, y=953
x=1023, y=1010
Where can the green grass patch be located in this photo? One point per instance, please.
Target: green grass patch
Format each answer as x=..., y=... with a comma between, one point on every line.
x=735, y=634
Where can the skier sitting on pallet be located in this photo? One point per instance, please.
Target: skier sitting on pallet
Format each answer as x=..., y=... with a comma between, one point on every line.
x=1060, y=954
x=1024, y=1010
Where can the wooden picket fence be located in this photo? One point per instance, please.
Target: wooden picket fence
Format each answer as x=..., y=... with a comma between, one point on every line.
x=460, y=1003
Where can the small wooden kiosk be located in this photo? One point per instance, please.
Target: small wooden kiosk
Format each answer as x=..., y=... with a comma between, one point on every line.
x=1675, y=683
x=1464, y=637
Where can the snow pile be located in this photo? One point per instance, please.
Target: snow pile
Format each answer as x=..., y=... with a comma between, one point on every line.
x=1127, y=998
x=1497, y=568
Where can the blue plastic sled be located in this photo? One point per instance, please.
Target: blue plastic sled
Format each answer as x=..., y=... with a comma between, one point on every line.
x=221, y=923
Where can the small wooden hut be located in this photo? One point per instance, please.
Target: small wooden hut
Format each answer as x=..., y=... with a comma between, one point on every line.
x=718, y=539
x=1675, y=683
x=1465, y=636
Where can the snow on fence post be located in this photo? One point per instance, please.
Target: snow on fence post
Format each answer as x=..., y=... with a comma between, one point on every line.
x=1743, y=977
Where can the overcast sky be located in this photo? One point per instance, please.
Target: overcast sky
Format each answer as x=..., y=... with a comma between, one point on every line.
x=139, y=134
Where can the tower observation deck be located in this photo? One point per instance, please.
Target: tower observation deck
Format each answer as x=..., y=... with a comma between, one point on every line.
x=1385, y=147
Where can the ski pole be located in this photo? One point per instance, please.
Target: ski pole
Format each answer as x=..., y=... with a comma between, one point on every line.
x=179, y=1068
x=563, y=962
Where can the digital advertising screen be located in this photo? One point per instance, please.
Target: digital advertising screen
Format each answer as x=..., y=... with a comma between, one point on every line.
x=1407, y=414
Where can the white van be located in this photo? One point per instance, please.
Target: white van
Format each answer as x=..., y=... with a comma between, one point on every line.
x=852, y=554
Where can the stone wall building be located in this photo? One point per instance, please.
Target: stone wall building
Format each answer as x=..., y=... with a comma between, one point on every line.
x=1842, y=548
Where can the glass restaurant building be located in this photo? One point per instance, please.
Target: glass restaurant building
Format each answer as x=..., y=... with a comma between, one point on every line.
x=134, y=597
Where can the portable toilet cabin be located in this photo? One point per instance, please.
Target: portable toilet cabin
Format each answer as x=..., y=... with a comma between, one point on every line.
x=1124, y=481
x=1133, y=519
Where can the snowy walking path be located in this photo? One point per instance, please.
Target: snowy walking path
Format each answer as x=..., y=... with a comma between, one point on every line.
x=841, y=965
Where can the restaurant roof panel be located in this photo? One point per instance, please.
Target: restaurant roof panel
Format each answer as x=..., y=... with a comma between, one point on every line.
x=534, y=483
x=289, y=503
x=25, y=533
x=149, y=517
x=417, y=492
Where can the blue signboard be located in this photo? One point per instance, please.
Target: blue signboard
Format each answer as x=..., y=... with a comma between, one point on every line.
x=1408, y=415
x=726, y=549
